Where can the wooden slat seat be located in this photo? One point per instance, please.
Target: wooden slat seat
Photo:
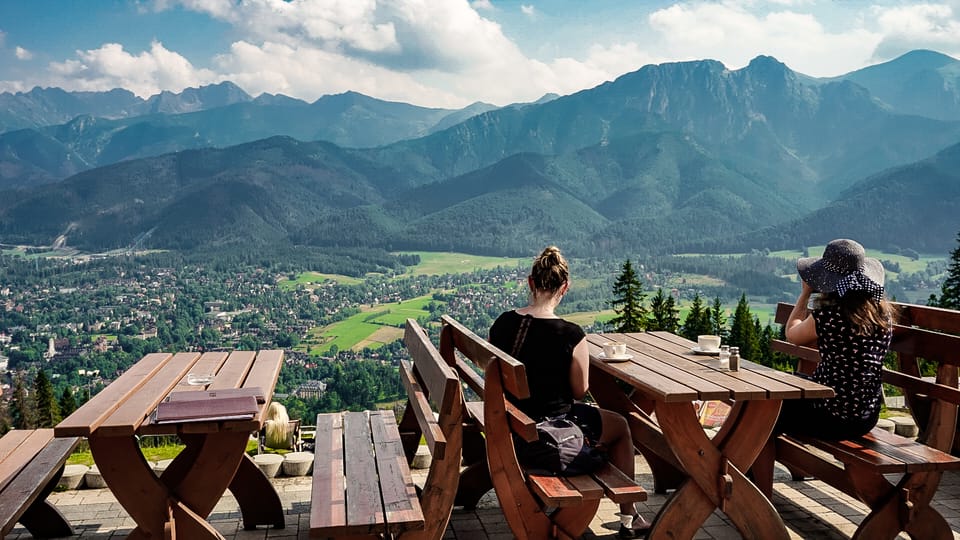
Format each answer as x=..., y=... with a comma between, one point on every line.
x=31, y=463
x=857, y=466
x=361, y=485
x=523, y=497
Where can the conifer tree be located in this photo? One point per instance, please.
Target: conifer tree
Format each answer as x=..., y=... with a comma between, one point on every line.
x=48, y=411
x=950, y=291
x=627, y=301
x=697, y=321
x=663, y=313
x=743, y=332
x=21, y=409
x=717, y=319
x=68, y=402
x=673, y=315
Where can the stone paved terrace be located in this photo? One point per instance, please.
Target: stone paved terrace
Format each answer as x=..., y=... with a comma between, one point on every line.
x=811, y=509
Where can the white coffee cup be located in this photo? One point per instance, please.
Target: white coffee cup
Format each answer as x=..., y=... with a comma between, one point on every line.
x=613, y=349
x=708, y=342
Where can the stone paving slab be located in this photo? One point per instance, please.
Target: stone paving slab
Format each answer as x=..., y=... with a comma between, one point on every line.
x=811, y=510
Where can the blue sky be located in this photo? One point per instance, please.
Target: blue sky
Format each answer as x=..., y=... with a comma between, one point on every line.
x=444, y=53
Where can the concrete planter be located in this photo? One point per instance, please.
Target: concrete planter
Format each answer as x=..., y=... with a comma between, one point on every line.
x=905, y=426
x=93, y=480
x=422, y=459
x=72, y=476
x=161, y=466
x=297, y=464
x=268, y=463
x=886, y=424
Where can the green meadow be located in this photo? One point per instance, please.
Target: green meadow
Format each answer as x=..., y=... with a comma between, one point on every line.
x=312, y=278
x=459, y=263
x=362, y=329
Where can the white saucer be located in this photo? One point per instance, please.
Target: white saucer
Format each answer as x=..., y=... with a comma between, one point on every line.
x=697, y=350
x=618, y=358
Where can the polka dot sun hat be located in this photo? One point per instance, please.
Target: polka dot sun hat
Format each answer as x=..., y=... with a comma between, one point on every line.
x=843, y=267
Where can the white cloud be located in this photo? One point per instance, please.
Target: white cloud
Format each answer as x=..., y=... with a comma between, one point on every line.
x=733, y=35
x=482, y=4
x=144, y=74
x=22, y=54
x=918, y=26
x=412, y=50
x=528, y=10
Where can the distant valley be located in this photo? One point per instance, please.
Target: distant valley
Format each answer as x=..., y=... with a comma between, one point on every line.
x=669, y=158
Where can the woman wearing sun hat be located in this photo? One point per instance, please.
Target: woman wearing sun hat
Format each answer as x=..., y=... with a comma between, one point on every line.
x=851, y=324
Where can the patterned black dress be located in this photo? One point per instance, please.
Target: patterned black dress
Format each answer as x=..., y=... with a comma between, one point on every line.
x=852, y=365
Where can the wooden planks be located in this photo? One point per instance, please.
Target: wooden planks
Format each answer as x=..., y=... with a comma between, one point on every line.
x=30, y=463
x=91, y=414
x=380, y=496
x=124, y=407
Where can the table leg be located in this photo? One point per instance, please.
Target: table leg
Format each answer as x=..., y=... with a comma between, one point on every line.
x=715, y=469
x=258, y=500
x=610, y=395
x=178, y=502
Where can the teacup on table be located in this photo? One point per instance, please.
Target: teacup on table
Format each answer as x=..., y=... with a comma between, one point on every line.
x=708, y=343
x=613, y=349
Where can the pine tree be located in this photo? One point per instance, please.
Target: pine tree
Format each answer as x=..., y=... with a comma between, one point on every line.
x=22, y=411
x=663, y=313
x=950, y=291
x=743, y=331
x=673, y=316
x=48, y=411
x=697, y=321
x=68, y=403
x=628, y=301
x=717, y=319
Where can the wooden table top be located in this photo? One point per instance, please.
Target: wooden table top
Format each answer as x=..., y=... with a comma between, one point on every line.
x=665, y=368
x=125, y=406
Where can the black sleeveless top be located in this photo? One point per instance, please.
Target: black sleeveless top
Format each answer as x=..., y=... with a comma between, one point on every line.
x=547, y=353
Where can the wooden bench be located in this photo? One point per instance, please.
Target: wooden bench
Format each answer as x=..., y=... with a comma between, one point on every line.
x=31, y=463
x=434, y=412
x=525, y=498
x=361, y=486
x=857, y=466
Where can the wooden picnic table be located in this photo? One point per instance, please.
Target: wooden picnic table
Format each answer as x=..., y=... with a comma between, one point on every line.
x=663, y=379
x=177, y=503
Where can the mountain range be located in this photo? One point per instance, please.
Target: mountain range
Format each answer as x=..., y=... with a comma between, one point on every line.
x=676, y=156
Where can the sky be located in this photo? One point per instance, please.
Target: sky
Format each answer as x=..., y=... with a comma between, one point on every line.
x=441, y=53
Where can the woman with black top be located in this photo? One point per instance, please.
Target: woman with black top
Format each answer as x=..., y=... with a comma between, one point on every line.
x=852, y=324
x=557, y=362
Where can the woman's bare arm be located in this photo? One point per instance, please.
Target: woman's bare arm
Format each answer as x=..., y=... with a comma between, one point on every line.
x=801, y=328
x=580, y=370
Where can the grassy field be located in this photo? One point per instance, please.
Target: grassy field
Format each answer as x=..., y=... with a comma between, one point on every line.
x=308, y=279
x=372, y=327
x=458, y=263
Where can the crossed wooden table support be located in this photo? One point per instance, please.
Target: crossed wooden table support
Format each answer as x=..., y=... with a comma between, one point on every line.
x=663, y=379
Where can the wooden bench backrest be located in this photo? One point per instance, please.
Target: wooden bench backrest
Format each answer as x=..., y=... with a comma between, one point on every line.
x=429, y=380
x=920, y=332
x=476, y=351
